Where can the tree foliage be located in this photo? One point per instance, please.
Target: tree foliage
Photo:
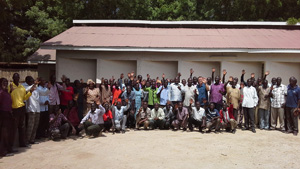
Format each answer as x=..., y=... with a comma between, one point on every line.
x=24, y=24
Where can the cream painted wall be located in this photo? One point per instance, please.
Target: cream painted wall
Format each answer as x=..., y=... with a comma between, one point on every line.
x=182, y=62
x=201, y=68
x=76, y=68
x=235, y=69
x=109, y=68
x=157, y=68
x=284, y=70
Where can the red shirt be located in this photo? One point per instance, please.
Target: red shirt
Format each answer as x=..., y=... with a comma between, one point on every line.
x=65, y=96
x=72, y=116
x=116, y=94
x=230, y=113
x=107, y=116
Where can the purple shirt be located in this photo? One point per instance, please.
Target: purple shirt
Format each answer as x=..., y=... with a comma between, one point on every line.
x=57, y=123
x=215, y=95
x=5, y=101
x=53, y=94
x=181, y=115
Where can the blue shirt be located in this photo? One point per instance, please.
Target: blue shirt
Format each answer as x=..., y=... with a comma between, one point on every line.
x=164, y=95
x=211, y=114
x=293, y=96
x=202, y=93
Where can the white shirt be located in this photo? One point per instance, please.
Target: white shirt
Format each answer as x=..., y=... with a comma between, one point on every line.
x=119, y=113
x=96, y=117
x=44, y=96
x=250, y=99
x=198, y=114
x=279, y=93
x=33, y=103
x=174, y=92
x=189, y=94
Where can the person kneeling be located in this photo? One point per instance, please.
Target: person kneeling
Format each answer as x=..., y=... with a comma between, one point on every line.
x=119, y=117
x=157, y=118
x=57, y=128
x=197, y=116
x=142, y=118
x=93, y=122
x=227, y=119
x=212, y=118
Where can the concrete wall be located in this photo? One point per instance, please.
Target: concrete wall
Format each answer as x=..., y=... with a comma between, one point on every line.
x=105, y=64
x=46, y=70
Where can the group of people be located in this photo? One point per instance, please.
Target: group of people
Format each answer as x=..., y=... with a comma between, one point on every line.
x=39, y=109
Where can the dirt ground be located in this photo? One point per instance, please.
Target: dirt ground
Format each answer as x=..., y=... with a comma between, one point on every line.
x=164, y=149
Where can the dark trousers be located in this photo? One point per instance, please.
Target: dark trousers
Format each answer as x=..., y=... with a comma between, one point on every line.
x=235, y=114
x=218, y=106
x=6, y=125
x=61, y=132
x=92, y=129
x=168, y=123
x=249, y=117
x=195, y=122
x=130, y=120
x=292, y=121
x=63, y=108
x=42, y=130
x=107, y=125
x=19, y=125
x=157, y=123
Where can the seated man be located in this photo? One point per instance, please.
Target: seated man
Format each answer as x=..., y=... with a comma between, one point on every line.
x=212, y=118
x=181, y=117
x=142, y=118
x=197, y=116
x=107, y=118
x=119, y=117
x=157, y=118
x=93, y=122
x=227, y=118
x=72, y=115
x=169, y=115
x=57, y=128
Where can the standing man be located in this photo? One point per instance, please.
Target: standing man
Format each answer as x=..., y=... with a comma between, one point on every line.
x=278, y=94
x=175, y=92
x=19, y=95
x=264, y=105
x=190, y=92
x=105, y=92
x=66, y=95
x=163, y=93
x=216, y=93
x=202, y=88
x=234, y=96
x=250, y=101
x=152, y=95
x=130, y=96
x=292, y=104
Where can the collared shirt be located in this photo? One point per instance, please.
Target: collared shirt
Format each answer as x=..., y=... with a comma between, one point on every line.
x=174, y=92
x=5, y=101
x=215, y=95
x=250, y=99
x=181, y=115
x=57, y=123
x=164, y=95
x=119, y=113
x=169, y=113
x=159, y=114
x=53, y=95
x=92, y=95
x=279, y=93
x=198, y=114
x=293, y=96
x=96, y=117
x=145, y=114
x=33, y=103
x=18, y=95
x=152, y=95
x=44, y=96
x=130, y=96
x=202, y=93
x=234, y=95
x=211, y=114
x=264, y=103
x=189, y=94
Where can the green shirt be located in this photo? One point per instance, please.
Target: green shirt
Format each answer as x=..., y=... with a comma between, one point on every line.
x=152, y=95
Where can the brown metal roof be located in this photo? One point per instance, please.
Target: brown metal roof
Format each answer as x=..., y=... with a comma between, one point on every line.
x=43, y=55
x=198, y=38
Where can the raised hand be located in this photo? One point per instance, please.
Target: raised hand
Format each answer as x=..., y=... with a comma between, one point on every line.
x=63, y=78
x=213, y=69
x=191, y=101
x=163, y=75
x=224, y=72
x=267, y=73
x=252, y=75
x=243, y=72
x=148, y=76
x=179, y=74
x=191, y=71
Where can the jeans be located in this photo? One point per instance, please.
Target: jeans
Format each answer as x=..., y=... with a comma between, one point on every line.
x=264, y=118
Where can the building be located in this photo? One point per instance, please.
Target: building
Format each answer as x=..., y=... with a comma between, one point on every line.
x=105, y=48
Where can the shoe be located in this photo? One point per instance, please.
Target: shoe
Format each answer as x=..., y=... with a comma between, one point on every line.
x=34, y=142
x=295, y=133
x=245, y=128
x=233, y=131
x=253, y=130
x=184, y=129
x=26, y=146
x=123, y=131
x=208, y=131
x=13, y=151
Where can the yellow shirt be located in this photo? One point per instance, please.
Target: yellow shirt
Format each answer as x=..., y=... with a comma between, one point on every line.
x=18, y=95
